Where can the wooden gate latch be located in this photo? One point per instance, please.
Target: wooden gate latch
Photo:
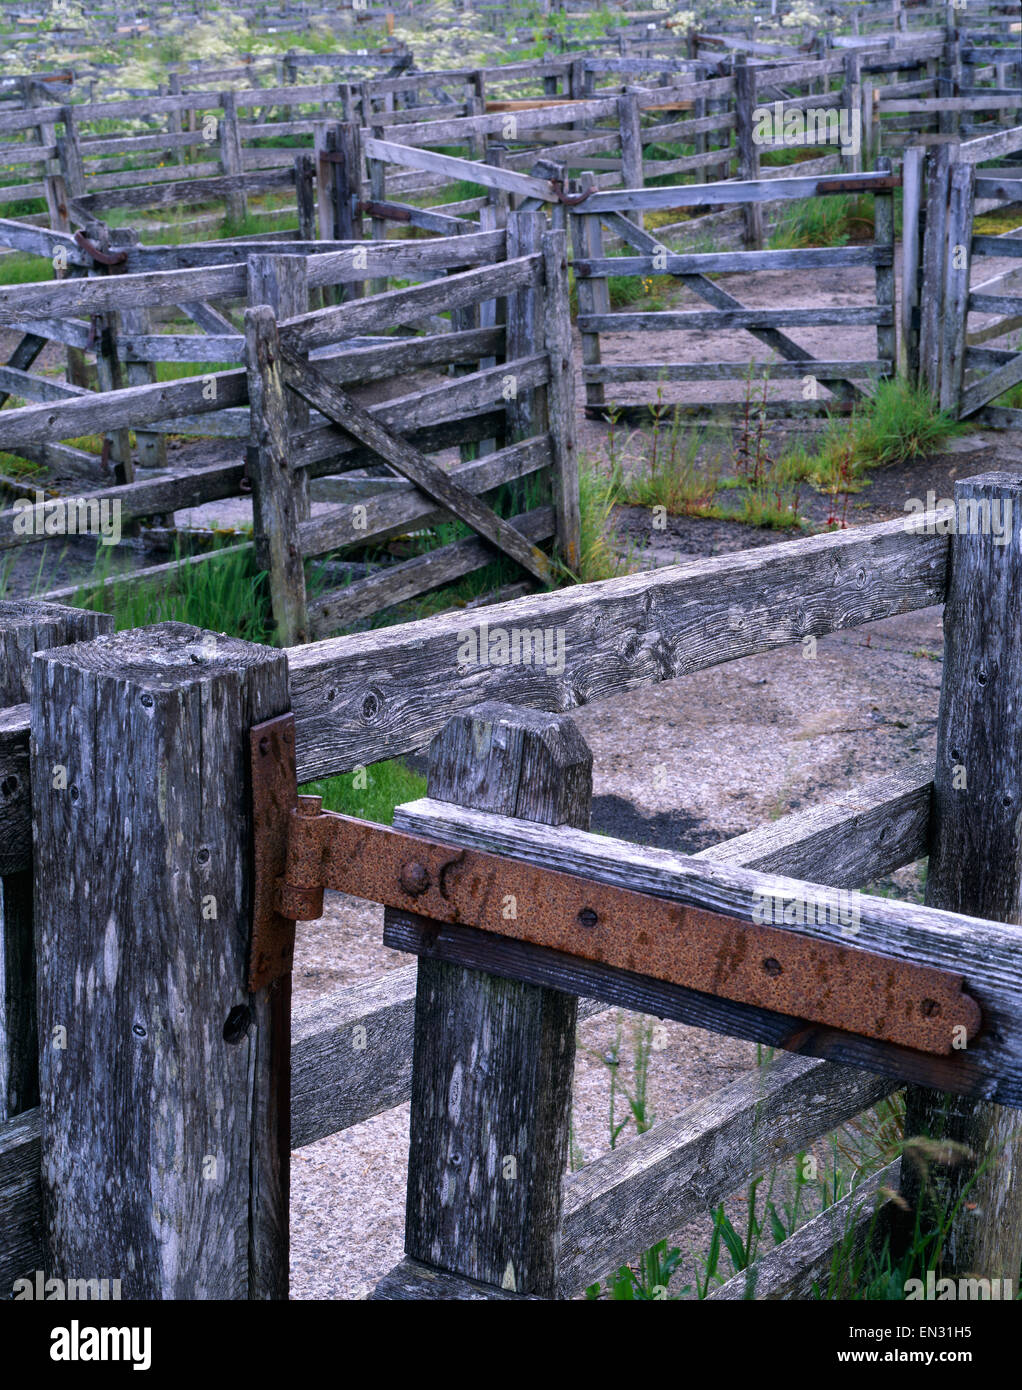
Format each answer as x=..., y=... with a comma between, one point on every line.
x=300, y=850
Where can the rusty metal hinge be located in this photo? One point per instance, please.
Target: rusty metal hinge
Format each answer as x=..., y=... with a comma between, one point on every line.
x=108, y=258
x=302, y=850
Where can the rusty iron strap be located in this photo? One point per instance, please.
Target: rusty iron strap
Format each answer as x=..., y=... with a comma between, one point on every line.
x=103, y=257
x=391, y=212
x=869, y=183
x=570, y=200
x=766, y=966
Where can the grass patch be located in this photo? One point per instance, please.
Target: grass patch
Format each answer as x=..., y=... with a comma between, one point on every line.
x=830, y=221
x=370, y=793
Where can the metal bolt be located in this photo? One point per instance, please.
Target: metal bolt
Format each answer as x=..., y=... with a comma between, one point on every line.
x=414, y=878
x=929, y=1008
x=587, y=917
x=772, y=967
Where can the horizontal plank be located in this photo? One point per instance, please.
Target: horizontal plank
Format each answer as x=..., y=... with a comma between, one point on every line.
x=110, y=293
x=382, y=312
x=830, y=1242
x=643, y=1191
x=727, y=371
x=410, y=1281
x=676, y=320
x=98, y=412
x=852, y=839
x=376, y=695
x=984, y=953
x=745, y=191
x=21, y=1216
x=15, y=791
x=710, y=262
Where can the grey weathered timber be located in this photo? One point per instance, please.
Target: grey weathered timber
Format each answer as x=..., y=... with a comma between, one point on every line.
x=957, y=264
x=493, y=1059
x=631, y=146
x=748, y=151
x=410, y=463
x=403, y=506
x=282, y=283
x=672, y=320
x=411, y=1281
x=97, y=412
x=721, y=299
x=231, y=157
x=15, y=801
x=856, y=838
x=21, y=1229
x=973, y=865
x=275, y=498
x=706, y=262
x=375, y=695
x=383, y=311
x=823, y=1248
x=339, y=608
x=152, y=447
x=26, y=626
x=164, y=1109
x=526, y=312
x=982, y=951
x=560, y=399
x=938, y=176
x=593, y=293
x=727, y=371
x=912, y=207
x=637, y=1194
x=711, y=194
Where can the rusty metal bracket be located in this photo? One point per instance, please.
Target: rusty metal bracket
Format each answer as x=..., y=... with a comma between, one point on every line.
x=110, y=258
x=391, y=212
x=570, y=200
x=274, y=796
x=869, y=183
x=302, y=850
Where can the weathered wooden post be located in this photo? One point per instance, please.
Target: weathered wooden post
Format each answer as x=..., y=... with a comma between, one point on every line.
x=593, y=292
x=559, y=398
x=975, y=862
x=912, y=246
x=494, y=1058
x=232, y=158
x=883, y=240
x=631, y=148
x=26, y=626
x=280, y=500
x=748, y=150
x=163, y=1081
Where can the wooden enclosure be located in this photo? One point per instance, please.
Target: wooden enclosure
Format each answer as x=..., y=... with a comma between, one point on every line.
x=69, y=1192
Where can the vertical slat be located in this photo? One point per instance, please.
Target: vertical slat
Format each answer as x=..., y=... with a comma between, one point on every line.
x=162, y=1159
x=853, y=104
x=524, y=317
x=231, y=156
x=593, y=292
x=883, y=235
x=631, y=148
x=493, y=1058
x=938, y=178
x=26, y=626
x=748, y=150
x=275, y=498
x=956, y=285
x=560, y=398
x=911, y=252
x=976, y=827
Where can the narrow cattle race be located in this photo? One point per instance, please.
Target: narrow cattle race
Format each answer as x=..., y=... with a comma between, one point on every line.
x=509, y=562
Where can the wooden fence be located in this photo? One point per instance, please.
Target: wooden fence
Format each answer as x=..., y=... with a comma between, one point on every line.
x=598, y=324
x=77, y=1196
x=510, y=412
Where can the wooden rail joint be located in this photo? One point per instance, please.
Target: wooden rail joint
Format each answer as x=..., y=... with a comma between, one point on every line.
x=301, y=850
